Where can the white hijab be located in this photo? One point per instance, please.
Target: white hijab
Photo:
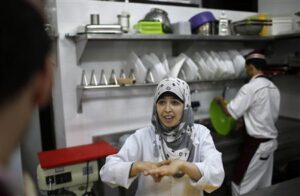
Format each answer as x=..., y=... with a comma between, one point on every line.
x=176, y=142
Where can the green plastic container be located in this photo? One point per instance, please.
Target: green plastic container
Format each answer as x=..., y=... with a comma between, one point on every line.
x=221, y=122
x=149, y=27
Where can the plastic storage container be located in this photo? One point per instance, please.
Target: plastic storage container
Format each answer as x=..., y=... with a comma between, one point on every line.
x=149, y=27
x=282, y=25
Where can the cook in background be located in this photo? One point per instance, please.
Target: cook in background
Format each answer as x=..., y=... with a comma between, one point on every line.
x=258, y=102
x=25, y=80
x=173, y=156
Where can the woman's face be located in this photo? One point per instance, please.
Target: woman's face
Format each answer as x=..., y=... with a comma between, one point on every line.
x=169, y=110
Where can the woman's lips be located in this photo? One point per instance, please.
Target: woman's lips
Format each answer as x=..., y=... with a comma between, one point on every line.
x=168, y=117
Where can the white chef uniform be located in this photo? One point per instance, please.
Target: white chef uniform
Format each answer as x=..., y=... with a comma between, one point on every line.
x=141, y=145
x=258, y=102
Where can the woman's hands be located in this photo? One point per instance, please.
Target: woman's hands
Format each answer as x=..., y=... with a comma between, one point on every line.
x=165, y=168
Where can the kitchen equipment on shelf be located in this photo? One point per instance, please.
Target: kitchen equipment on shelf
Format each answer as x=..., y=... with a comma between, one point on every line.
x=84, y=81
x=221, y=122
x=120, y=80
x=95, y=19
x=124, y=21
x=96, y=27
x=176, y=65
x=160, y=15
x=249, y=26
x=296, y=22
x=209, y=28
x=139, y=70
x=103, y=79
x=238, y=62
x=282, y=25
x=189, y=69
x=149, y=27
x=182, y=28
x=202, y=18
x=223, y=25
x=154, y=66
x=205, y=71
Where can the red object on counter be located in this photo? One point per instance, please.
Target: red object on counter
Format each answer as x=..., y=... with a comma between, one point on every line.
x=76, y=154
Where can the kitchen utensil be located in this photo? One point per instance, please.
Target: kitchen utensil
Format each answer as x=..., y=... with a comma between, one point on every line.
x=200, y=19
x=204, y=71
x=124, y=21
x=106, y=29
x=95, y=19
x=84, y=81
x=182, y=28
x=228, y=62
x=238, y=62
x=140, y=71
x=93, y=79
x=190, y=68
x=152, y=63
x=125, y=81
x=160, y=15
x=249, y=26
x=221, y=122
x=208, y=28
x=216, y=71
x=149, y=27
x=178, y=62
x=224, y=29
x=165, y=63
x=103, y=79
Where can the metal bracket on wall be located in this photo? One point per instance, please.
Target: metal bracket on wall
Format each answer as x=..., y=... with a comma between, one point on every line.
x=104, y=91
x=81, y=42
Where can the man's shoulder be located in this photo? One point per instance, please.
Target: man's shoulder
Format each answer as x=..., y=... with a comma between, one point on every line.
x=261, y=82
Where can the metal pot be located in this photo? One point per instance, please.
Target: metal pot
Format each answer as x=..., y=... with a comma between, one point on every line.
x=209, y=28
x=160, y=15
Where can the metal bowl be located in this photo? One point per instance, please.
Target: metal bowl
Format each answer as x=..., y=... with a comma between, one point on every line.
x=160, y=15
x=249, y=26
x=247, y=29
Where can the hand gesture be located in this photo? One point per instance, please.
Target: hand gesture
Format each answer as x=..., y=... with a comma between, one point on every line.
x=167, y=168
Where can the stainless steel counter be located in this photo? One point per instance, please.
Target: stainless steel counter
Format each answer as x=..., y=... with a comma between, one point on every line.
x=288, y=149
x=290, y=187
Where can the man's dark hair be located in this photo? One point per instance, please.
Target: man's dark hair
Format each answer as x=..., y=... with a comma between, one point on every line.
x=259, y=64
x=24, y=46
x=256, y=58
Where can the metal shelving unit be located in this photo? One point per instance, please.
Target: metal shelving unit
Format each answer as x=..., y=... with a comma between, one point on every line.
x=81, y=40
x=109, y=91
x=87, y=92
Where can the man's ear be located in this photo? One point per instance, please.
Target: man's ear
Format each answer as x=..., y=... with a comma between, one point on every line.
x=43, y=83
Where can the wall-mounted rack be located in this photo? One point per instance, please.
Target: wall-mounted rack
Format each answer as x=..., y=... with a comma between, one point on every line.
x=85, y=93
x=81, y=40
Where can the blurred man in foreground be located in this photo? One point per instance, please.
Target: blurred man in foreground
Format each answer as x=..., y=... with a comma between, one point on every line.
x=26, y=72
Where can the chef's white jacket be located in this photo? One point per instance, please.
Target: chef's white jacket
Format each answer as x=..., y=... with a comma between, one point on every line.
x=258, y=101
x=140, y=147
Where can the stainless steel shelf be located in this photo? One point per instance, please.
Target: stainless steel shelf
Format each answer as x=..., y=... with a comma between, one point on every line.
x=81, y=40
x=85, y=93
x=164, y=37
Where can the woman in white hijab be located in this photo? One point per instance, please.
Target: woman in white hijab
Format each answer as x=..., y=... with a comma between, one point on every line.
x=173, y=156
